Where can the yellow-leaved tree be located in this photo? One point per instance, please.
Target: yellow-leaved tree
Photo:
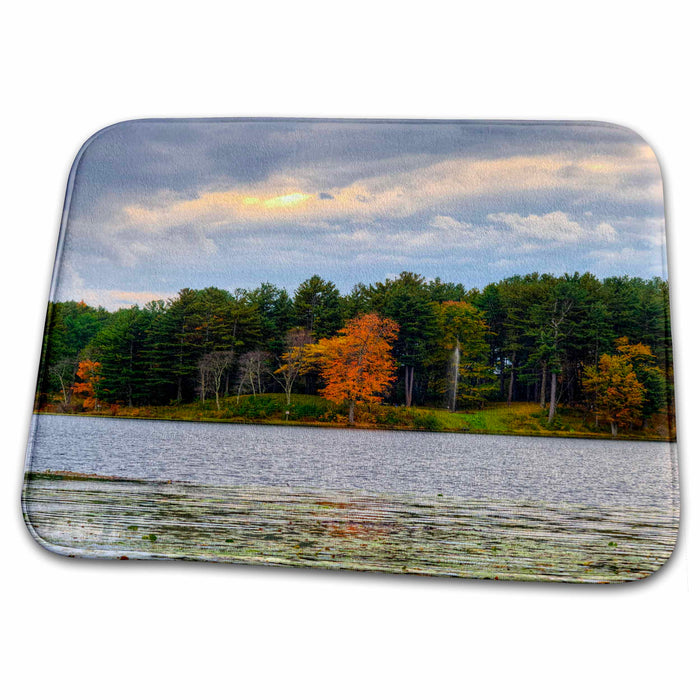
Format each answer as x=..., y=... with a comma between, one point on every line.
x=617, y=392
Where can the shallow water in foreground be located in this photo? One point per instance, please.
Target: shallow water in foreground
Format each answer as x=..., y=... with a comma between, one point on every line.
x=349, y=530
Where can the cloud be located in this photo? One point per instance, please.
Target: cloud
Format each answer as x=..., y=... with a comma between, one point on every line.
x=502, y=233
x=553, y=228
x=289, y=198
x=448, y=223
x=161, y=206
x=606, y=232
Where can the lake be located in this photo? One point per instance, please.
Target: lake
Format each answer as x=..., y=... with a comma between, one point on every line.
x=594, y=472
x=437, y=503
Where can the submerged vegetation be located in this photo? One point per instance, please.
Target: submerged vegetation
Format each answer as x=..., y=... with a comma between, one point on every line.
x=533, y=354
x=429, y=535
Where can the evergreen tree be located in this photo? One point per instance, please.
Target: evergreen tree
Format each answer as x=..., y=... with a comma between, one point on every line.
x=407, y=301
x=317, y=307
x=119, y=348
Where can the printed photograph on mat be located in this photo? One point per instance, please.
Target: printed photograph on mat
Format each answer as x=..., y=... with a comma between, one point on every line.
x=438, y=348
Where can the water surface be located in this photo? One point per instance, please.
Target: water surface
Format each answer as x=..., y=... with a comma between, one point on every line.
x=555, y=470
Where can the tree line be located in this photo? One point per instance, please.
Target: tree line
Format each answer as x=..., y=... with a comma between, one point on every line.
x=537, y=337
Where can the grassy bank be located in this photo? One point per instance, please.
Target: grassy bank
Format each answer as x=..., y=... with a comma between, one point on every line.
x=498, y=419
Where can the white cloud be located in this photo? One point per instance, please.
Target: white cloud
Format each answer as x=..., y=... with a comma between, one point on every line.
x=606, y=232
x=555, y=226
x=506, y=232
x=447, y=223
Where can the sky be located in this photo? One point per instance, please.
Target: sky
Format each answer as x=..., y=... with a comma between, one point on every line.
x=159, y=205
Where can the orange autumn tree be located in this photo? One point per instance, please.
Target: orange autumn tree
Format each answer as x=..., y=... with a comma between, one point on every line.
x=88, y=374
x=356, y=365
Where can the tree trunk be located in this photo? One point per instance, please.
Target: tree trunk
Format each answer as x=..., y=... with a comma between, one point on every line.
x=131, y=371
x=543, y=386
x=613, y=428
x=453, y=378
x=408, y=377
x=512, y=379
x=351, y=413
x=570, y=387
x=180, y=363
x=552, y=398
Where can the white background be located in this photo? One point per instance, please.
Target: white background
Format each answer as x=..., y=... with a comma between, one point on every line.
x=79, y=629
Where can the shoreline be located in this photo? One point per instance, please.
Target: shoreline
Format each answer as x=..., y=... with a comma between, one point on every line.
x=368, y=426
